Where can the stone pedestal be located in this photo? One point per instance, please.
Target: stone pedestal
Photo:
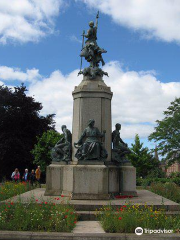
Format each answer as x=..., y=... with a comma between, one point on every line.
x=128, y=180
x=92, y=100
x=90, y=181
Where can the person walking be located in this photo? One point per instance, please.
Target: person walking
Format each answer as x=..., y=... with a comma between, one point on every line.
x=26, y=176
x=32, y=177
x=38, y=175
x=15, y=175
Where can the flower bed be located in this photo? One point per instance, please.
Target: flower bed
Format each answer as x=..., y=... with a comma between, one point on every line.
x=128, y=217
x=168, y=190
x=11, y=189
x=37, y=216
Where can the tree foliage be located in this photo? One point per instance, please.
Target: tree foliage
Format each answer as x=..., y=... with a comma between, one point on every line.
x=142, y=159
x=42, y=150
x=167, y=131
x=20, y=124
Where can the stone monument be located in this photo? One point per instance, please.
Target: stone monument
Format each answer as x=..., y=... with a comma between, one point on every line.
x=92, y=163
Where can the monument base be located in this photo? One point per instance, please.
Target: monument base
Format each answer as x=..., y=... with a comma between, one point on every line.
x=90, y=181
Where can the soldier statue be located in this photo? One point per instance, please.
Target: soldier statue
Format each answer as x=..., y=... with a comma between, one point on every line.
x=92, y=52
x=120, y=148
x=89, y=146
x=63, y=148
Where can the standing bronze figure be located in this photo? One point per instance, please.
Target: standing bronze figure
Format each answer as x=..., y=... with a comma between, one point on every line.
x=92, y=52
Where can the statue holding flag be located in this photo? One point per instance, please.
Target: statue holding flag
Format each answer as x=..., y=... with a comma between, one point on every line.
x=92, y=52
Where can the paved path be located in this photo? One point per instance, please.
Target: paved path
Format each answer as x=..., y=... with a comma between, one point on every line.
x=88, y=227
x=144, y=197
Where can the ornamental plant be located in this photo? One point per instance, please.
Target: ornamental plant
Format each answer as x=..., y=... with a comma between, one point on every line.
x=168, y=190
x=11, y=189
x=127, y=218
x=37, y=216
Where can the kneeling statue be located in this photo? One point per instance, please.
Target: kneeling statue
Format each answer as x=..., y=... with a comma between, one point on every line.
x=62, y=151
x=120, y=148
x=91, y=148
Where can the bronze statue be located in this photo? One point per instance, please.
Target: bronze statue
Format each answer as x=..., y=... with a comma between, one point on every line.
x=92, y=52
x=120, y=148
x=91, y=148
x=63, y=148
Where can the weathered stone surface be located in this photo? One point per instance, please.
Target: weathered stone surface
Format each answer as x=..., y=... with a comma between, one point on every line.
x=92, y=100
x=128, y=180
x=84, y=181
x=90, y=182
x=114, y=179
x=54, y=179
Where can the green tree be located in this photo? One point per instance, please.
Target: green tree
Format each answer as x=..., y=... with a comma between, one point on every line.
x=142, y=159
x=167, y=131
x=20, y=124
x=42, y=150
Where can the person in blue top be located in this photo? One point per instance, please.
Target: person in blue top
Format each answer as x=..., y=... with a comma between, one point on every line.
x=26, y=175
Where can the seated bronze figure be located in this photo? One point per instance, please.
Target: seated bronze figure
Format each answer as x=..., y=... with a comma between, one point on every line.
x=89, y=145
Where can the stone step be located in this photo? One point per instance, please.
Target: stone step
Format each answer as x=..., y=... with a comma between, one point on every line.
x=87, y=215
x=88, y=227
x=92, y=215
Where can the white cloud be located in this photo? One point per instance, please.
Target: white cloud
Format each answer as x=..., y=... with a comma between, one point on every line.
x=155, y=18
x=27, y=20
x=9, y=74
x=139, y=98
x=73, y=38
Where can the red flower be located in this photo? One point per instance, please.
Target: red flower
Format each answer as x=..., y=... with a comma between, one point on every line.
x=125, y=196
x=36, y=200
x=62, y=195
x=58, y=198
x=65, y=216
x=120, y=218
x=12, y=203
x=45, y=202
x=75, y=222
x=124, y=206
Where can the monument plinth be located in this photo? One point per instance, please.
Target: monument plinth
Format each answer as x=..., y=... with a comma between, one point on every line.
x=91, y=162
x=92, y=100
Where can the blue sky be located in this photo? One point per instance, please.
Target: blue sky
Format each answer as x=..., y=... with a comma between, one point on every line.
x=40, y=45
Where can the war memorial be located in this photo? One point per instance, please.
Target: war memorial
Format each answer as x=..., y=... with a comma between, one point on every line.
x=90, y=172
x=92, y=162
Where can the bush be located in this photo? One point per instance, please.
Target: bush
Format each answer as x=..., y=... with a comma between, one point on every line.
x=127, y=218
x=139, y=181
x=34, y=216
x=148, y=181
